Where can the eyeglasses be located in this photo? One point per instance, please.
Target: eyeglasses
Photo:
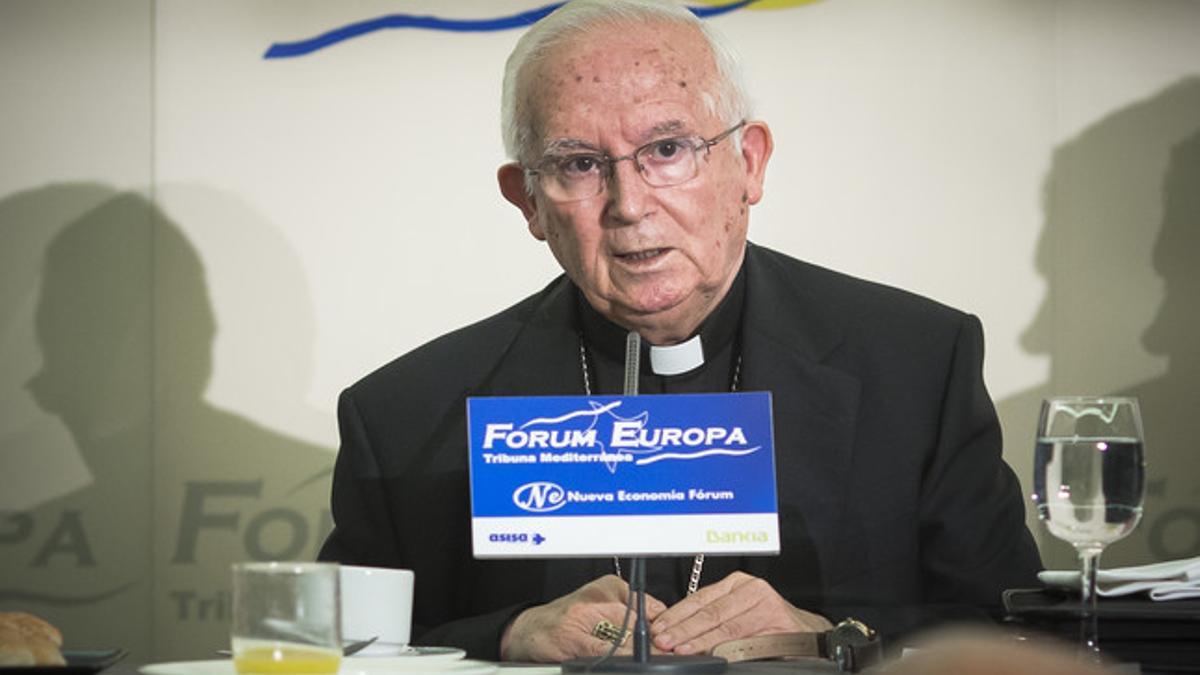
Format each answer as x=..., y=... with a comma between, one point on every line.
x=582, y=175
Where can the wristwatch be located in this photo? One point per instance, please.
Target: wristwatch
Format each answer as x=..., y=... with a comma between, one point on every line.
x=851, y=645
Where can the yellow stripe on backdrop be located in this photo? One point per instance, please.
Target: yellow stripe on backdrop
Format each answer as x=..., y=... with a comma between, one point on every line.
x=764, y=4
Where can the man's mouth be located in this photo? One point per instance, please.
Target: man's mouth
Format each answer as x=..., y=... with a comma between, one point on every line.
x=639, y=256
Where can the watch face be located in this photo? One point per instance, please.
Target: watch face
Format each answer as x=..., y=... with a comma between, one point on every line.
x=850, y=627
x=852, y=645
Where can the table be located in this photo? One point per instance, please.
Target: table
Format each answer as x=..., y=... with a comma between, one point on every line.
x=803, y=667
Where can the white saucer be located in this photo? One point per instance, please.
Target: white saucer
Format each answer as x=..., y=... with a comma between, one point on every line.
x=384, y=649
x=406, y=653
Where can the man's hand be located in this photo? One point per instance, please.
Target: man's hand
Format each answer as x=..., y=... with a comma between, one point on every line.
x=738, y=606
x=562, y=629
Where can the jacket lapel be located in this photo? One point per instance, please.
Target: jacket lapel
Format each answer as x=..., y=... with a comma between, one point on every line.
x=814, y=404
x=542, y=358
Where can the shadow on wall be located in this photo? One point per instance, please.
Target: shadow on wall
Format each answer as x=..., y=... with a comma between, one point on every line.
x=118, y=312
x=28, y=221
x=1119, y=254
x=1171, y=403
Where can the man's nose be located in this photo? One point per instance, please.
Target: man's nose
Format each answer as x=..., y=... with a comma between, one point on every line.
x=626, y=191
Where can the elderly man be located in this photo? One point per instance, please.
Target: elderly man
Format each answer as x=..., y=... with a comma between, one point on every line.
x=635, y=161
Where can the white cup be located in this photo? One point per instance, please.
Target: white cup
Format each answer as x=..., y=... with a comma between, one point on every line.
x=377, y=602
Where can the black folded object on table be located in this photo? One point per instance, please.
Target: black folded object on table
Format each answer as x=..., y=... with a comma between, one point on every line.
x=1162, y=636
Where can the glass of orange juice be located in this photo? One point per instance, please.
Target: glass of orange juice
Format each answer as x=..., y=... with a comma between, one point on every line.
x=285, y=618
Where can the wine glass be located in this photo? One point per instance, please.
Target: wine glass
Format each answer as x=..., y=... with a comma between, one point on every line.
x=1088, y=479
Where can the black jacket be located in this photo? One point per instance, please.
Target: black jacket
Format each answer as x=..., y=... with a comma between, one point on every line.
x=895, y=506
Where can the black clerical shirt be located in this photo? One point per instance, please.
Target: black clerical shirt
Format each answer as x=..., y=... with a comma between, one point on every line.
x=720, y=335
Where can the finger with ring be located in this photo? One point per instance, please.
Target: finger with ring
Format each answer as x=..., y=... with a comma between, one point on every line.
x=610, y=632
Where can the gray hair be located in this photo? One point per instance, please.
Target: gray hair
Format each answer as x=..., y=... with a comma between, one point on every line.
x=729, y=102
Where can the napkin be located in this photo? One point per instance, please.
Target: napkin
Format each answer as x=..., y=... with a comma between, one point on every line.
x=1171, y=580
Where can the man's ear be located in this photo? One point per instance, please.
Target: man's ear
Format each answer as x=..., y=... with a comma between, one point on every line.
x=512, y=185
x=757, y=145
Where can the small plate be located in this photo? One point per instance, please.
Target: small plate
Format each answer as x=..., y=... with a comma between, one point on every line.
x=79, y=662
x=211, y=667
x=415, y=664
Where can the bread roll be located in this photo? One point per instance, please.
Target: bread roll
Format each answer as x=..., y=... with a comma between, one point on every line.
x=26, y=640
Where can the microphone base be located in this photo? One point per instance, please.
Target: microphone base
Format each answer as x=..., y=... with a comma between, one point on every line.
x=665, y=663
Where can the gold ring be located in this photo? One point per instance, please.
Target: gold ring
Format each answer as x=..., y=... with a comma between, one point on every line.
x=610, y=632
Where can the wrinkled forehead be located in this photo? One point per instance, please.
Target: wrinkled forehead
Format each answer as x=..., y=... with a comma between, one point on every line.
x=613, y=69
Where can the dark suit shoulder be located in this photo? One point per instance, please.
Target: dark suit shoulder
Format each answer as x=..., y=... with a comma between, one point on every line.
x=861, y=306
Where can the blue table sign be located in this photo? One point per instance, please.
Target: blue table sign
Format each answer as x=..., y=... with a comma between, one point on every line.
x=581, y=476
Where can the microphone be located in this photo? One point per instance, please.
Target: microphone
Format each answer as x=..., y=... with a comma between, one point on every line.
x=637, y=572
x=633, y=362
x=641, y=662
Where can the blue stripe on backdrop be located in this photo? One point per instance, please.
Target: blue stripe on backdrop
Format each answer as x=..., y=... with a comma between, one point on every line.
x=283, y=50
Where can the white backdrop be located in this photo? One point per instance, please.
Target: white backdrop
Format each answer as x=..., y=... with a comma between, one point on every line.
x=270, y=230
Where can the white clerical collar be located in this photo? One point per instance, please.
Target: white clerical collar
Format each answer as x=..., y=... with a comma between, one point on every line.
x=677, y=359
